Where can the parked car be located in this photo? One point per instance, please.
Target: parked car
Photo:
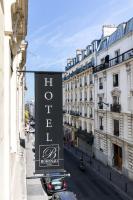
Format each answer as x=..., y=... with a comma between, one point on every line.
x=31, y=130
x=32, y=123
x=65, y=195
x=53, y=184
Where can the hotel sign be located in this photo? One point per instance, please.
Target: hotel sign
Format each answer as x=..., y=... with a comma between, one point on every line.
x=48, y=118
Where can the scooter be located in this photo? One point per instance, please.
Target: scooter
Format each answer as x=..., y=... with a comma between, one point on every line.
x=82, y=166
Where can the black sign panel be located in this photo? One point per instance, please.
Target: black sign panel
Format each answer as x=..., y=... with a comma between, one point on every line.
x=48, y=118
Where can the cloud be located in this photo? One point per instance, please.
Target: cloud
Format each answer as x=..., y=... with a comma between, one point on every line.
x=44, y=27
x=59, y=39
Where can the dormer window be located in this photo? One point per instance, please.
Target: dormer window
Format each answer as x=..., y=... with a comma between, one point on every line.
x=102, y=61
x=115, y=80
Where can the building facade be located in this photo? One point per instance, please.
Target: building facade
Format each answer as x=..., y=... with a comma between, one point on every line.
x=111, y=72
x=13, y=23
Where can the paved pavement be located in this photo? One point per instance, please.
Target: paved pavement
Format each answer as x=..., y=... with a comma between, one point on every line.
x=117, y=180
x=34, y=187
x=19, y=179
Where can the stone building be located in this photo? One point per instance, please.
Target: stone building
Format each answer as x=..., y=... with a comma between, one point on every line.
x=13, y=29
x=113, y=78
x=102, y=110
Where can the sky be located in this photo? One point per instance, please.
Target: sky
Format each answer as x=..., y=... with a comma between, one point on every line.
x=56, y=28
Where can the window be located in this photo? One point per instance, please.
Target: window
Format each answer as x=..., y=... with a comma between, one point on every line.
x=100, y=83
x=115, y=100
x=129, y=26
x=117, y=53
x=85, y=95
x=91, y=95
x=90, y=77
x=100, y=103
x=116, y=127
x=80, y=82
x=102, y=61
x=91, y=115
x=85, y=80
x=115, y=80
x=80, y=96
x=101, y=123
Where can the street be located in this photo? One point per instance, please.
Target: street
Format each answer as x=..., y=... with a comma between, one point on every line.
x=88, y=185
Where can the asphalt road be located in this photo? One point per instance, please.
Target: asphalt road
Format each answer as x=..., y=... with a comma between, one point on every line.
x=88, y=185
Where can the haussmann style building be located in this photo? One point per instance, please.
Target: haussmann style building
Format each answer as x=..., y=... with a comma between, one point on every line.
x=98, y=98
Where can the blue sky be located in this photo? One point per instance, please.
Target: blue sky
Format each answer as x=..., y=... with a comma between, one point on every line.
x=56, y=28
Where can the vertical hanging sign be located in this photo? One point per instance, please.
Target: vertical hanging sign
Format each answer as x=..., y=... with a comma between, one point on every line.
x=48, y=118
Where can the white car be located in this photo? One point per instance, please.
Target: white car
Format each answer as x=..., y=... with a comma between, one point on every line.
x=32, y=130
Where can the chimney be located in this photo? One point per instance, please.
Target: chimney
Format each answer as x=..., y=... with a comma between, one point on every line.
x=107, y=30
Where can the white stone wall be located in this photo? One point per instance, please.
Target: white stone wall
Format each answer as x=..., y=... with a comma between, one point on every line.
x=10, y=61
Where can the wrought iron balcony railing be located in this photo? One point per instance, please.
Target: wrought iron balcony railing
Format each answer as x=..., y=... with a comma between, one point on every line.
x=101, y=127
x=100, y=86
x=116, y=132
x=91, y=82
x=84, y=135
x=100, y=106
x=115, y=108
x=114, y=61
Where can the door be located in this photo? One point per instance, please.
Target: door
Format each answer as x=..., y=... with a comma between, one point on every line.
x=117, y=157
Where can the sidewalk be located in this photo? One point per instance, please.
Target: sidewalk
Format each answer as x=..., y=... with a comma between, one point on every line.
x=34, y=188
x=121, y=182
x=19, y=179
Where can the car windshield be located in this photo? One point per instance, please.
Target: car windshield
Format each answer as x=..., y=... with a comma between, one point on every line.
x=57, y=181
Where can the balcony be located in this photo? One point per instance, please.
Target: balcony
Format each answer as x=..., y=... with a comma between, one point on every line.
x=64, y=111
x=77, y=71
x=100, y=105
x=85, y=83
x=100, y=86
x=85, y=98
x=116, y=132
x=91, y=115
x=80, y=114
x=115, y=108
x=114, y=61
x=84, y=135
x=67, y=123
x=74, y=113
x=115, y=84
x=101, y=127
x=91, y=82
